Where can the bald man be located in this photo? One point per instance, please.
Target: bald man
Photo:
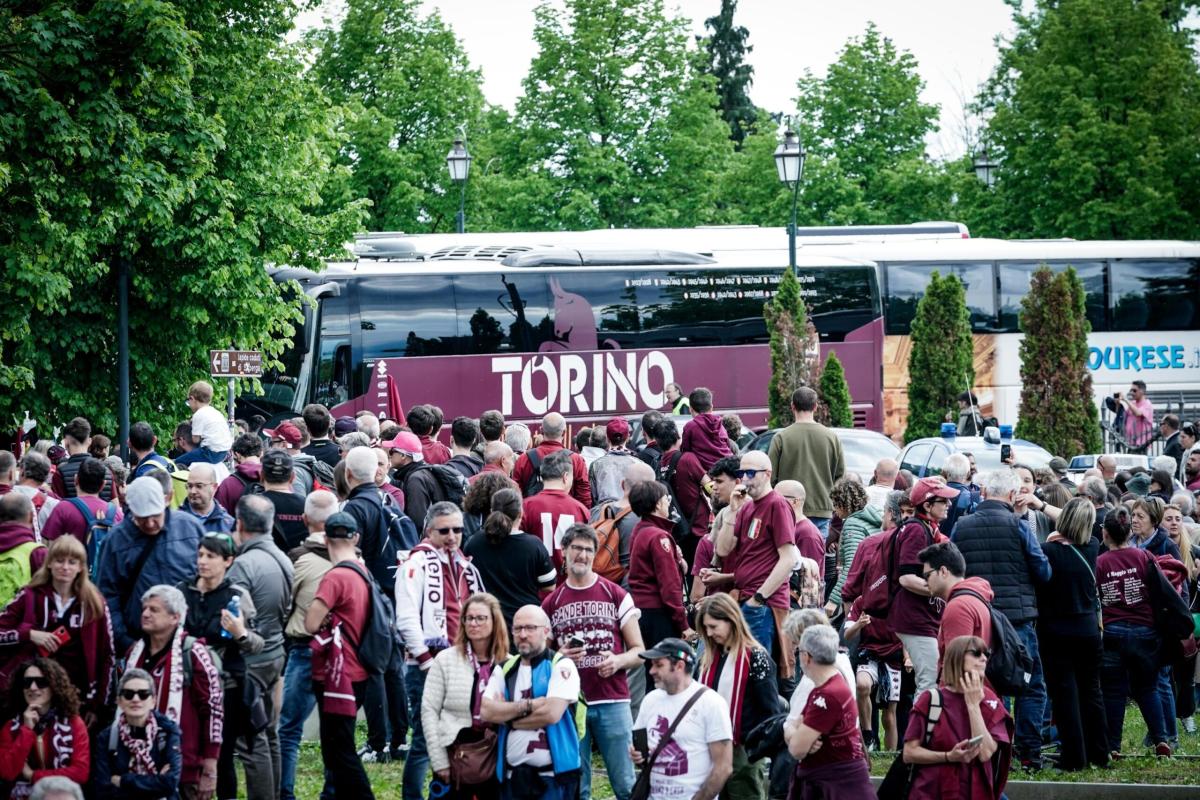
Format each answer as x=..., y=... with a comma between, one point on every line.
x=530, y=702
x=201, y=500
x=762, y=532
x=554, y=431
x=808, y=539
x=882, y=482
x=497, y=457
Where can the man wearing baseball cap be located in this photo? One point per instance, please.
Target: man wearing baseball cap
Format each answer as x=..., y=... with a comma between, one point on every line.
x=1058, y=465
x=607, y=471
x=288, y=436
x=421, y=487
x=915, y=613
x=704, y=731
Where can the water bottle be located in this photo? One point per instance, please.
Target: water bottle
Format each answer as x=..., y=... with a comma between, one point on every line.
x=234, y=608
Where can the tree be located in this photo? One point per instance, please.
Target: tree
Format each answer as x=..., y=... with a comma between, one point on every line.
x=835, y=393
x=864, y=126
x=1057, y=410
x=611, y=99
x=405, y=88
x=795, y=349
x=1094, y=109
x=171, y=135
x=941, y=362
x=727, y=50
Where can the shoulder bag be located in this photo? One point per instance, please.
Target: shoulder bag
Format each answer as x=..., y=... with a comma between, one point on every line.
x=641, y=789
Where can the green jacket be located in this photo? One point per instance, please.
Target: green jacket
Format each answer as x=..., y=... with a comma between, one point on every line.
x=857, y=527
x=812, y=454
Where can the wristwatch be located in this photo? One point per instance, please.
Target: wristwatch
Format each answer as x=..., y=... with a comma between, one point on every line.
x=758, y=598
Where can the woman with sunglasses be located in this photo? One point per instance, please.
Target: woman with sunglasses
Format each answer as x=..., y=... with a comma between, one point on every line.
x=138, y=757
x=966, y=751
x=45, y=735
x=62, y=616
x=210, y=597
x=453, y=692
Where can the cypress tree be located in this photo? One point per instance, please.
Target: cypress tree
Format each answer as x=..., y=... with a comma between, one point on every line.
x=727, y=50
x=941, y=365
x=1057, y=408
x=793, y=343
x=835, y=393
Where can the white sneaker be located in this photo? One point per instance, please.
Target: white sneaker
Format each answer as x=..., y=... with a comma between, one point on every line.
x=1189, y=724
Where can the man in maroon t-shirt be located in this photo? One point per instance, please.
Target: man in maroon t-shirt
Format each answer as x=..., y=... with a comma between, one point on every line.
x=67, y=517
x=554, y=428
x=343, y=598
x=549, y=513
x=762, y=531
x=591, y=609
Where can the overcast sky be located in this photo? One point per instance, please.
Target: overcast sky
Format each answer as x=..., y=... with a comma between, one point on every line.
x=954, y=42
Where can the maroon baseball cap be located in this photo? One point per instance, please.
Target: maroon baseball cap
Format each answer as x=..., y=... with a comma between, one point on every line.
x=617, y=428
x=286, y=431
x=928, y=488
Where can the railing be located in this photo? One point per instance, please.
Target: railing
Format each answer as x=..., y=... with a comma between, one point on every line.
x=1184, y=404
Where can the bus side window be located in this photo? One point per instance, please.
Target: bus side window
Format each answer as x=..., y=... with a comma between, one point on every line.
x=907, y=284
x=1155, y=295
x=1014, y=285
x=502, y=313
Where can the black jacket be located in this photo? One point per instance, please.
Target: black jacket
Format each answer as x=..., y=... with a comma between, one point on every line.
x=421, y=490
x=992, y=542
x=366, y=506
x=466, y=466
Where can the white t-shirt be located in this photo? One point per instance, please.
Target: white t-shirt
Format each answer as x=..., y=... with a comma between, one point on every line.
x=212, y=428
x=805, y=687
x=531, y=747
x=684, y=763
x=877, y=495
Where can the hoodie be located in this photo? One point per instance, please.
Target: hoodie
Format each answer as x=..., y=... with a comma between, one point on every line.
x=232, y=488
x=965, y=615
x=705, y=436
x=15, y=534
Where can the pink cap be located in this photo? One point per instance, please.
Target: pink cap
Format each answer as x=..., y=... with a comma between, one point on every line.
x=933, y=486
x=406, y=443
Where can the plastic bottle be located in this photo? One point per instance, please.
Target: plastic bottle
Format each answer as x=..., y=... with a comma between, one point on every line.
x=234, y=608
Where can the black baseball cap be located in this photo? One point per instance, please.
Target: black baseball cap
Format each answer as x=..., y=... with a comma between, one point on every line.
x=673, y=648
x=341, y=525
x=276, y=465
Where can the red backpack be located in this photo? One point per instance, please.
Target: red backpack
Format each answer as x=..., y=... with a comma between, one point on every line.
x=882, y=579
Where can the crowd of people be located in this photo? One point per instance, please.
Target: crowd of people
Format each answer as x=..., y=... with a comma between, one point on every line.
x=503, y=605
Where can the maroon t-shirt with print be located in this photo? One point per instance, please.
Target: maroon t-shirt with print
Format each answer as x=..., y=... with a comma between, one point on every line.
x=762, y=527
x=832, y=711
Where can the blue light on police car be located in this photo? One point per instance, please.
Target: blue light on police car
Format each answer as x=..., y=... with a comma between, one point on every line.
x=1006, y=431
x=949, y=430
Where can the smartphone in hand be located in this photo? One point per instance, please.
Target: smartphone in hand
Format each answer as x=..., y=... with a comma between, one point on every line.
x=641, y=742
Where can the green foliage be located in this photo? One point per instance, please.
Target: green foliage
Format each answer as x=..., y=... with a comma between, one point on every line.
x=727, y=50
x=404, y=86
x=835, y=393
x=941, y=363
x=795, y=349
x=175, y=136
x=1057, y=408
x=1094, y=110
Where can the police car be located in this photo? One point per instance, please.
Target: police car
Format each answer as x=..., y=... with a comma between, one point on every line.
x=925, y=456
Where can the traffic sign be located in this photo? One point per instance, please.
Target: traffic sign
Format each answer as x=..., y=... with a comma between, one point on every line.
x=235, y=363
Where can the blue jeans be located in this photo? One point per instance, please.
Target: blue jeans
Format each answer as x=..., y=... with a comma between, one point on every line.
x=1166, y=695
x=201, y=455
x=822, y=524
x=298, y=704
x=761, y=621
x=416, y=766
x=610, y=726
x=1031, y=706
x=1130, y=667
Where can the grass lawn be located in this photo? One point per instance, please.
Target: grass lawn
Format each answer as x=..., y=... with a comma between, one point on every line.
x=1136, y=768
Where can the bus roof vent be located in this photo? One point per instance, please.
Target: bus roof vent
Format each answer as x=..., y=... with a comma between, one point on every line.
x=477, y=252
x=385, y=247
x=565, y=257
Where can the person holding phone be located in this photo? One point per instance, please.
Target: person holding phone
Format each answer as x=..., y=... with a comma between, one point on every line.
x=960, y=734
x=46, y=735
x=60, y=615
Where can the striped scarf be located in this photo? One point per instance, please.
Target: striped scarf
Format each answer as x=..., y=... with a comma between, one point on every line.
x=730, y=682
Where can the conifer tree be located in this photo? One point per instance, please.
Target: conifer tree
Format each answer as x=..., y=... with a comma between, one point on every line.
x=835, y=393
x=941, y=363
x=1057, y=409
x=727, y=51
x=793, y=346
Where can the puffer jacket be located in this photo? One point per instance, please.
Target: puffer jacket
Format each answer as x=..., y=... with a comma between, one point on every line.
x=999, y=548
x=172, y=560
x=857, y=526
x=446, y=704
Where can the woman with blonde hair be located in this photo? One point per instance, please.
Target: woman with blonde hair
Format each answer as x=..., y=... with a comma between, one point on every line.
x=61, y=615
x=451, y=701
x=737, y=667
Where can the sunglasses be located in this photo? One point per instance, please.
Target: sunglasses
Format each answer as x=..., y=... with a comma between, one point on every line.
x=445, y=531
x=35, y=682
x=140, y=694
x=984, y=653
x=750, y=473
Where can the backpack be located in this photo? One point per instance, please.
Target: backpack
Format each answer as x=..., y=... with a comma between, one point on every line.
x=15, y=570
x=378, y=634
x=249, y=486
x=882, y=580
x=322, y=475
x=963, y=505
x=399, y=534
x=450, y=481
x=608, y=554
x=218, y=663
x=1009, y=668
x=682, y=529
x=97, y=530
x=535, y=481
x=807, y=586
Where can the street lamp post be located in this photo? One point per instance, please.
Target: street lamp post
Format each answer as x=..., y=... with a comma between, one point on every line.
x=789, y=163
x=985, y=168
x=458, y=162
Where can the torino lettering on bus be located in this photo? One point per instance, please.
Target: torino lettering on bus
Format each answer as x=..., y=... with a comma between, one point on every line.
x=583, y=383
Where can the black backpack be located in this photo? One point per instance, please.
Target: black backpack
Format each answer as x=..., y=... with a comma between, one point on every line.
x=450, y=481
x=682, y=524
x=378, y=634
x=535, y=481
x=249, y=486
x=1009, y=668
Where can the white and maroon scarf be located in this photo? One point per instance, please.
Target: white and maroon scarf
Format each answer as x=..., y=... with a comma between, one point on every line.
x=730, y=683
x=170, y=702
x=439, y=582
x=141, y=751
x=62, y=747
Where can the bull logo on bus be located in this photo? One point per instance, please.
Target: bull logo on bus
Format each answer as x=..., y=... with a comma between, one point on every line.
x=583, y=383
x=574, y=325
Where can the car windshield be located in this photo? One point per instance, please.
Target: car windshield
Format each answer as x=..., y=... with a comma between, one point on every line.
x=862, y=453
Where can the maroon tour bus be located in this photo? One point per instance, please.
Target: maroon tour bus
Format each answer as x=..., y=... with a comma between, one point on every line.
x=589, y=333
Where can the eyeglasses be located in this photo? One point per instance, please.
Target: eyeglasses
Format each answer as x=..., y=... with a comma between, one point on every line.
x=926, y=573
x=191, y=486
x=580, y=549
x=984, y=653
x=526, y=628
x=789, y=498
x=139, y=694
x=35, y=682
x=473, y=620
x=445, y=531
x=750, y=473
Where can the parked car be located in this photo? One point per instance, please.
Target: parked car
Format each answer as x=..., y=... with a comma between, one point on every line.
x=925, y=456
x=861, y=448
x=1125, y=462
